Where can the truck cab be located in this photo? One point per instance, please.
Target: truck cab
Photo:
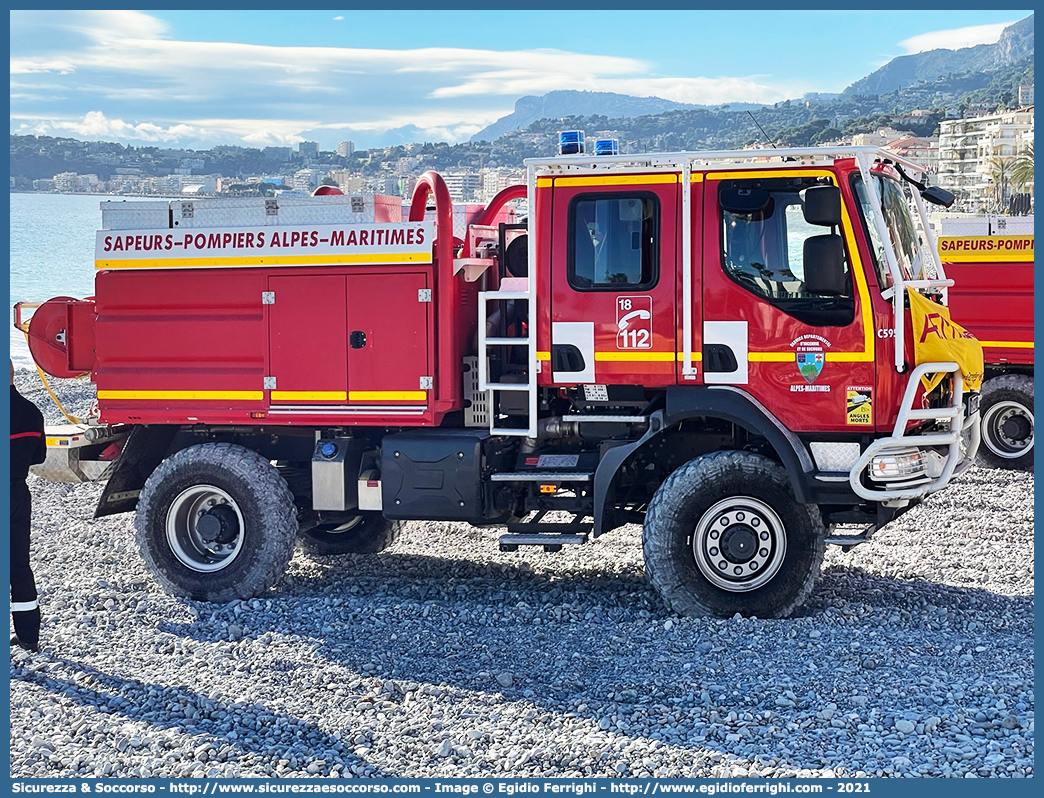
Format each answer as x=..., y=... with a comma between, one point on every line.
x=745, y=352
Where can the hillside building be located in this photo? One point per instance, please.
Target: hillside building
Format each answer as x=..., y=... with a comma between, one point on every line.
x=919, y=150
x=463, y=186
x=967, y=146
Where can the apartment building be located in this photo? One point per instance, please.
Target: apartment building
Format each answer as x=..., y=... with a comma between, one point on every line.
x=967, y=146
x=463, y=186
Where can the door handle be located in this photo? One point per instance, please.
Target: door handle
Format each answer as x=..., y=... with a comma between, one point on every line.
x=357, y=340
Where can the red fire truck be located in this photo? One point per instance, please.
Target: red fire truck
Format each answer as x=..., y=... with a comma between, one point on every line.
x=991, y=262
x=716, y=345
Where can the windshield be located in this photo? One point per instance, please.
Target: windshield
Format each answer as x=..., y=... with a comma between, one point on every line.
x=909, y=250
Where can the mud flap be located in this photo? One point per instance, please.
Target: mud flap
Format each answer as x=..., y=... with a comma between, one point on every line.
x=145, y=449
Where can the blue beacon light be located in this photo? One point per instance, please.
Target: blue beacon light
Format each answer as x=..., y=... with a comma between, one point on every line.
x=571, y=142
x=607, y=147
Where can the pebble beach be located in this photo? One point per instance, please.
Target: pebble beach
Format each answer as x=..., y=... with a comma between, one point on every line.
x=444, y=657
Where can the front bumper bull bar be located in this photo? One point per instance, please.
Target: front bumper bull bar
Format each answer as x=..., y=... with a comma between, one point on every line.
x=961, y=440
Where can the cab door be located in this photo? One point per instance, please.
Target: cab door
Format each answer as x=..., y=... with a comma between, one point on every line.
x=803, y=349
x=613, y=280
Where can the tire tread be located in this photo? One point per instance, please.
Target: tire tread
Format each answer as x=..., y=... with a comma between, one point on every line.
x=658, y=538
x=276, y=507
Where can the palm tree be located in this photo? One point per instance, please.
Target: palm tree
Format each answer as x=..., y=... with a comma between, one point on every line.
x=998, y=170
x=1022, y=171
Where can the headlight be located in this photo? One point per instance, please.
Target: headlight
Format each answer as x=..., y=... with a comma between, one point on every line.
x=897, y=465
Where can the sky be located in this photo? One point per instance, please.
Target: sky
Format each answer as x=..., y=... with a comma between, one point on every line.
x=195, y=79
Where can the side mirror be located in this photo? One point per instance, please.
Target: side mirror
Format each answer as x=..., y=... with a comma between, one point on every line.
x=938, y=196
x=824, y=258
x=822, y=206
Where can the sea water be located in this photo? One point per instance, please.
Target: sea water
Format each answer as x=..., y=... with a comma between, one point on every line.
x=52, y=251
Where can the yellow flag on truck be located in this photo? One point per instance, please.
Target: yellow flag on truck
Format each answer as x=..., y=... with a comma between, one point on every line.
x=938, y=339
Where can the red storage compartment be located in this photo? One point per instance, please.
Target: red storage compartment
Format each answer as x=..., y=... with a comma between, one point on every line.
x=994, y=301
x=388, y=329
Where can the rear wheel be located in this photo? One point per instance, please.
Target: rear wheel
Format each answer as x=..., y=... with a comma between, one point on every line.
x=216, y=522
x=366, y=533
x=1006, y=413
x=724, y=534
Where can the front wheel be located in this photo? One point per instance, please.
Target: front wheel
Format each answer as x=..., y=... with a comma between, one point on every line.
x=1006, y=413
x=216, y=522
x=724, y=534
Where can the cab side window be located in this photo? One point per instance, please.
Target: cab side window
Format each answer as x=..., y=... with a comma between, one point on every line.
x=613, y=242
x=763, y=242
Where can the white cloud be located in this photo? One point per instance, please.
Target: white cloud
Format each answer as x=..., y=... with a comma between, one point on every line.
x=703, y=91
x=119, y=75
x=96, y=125
x=338, y=19
x=437, y=126
x=954, y=39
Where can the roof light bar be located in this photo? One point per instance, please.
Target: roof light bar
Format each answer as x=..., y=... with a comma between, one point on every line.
x=571, y=142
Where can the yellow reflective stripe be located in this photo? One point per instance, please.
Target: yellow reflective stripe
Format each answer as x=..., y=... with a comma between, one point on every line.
x=697, y=177
x=1008, y=344
x=315, y=396
x=616, y=180
x=787, y=357
x=867, y=355
x=657, y=357
x=181, y=395
x=543, y=355
x=744, y=175
x=695, y=356
x=383, y=396
x=289, y=260
x=52, y=442
x=545, y=182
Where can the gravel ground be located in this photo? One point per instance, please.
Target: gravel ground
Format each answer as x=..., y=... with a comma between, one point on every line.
x=444, y=657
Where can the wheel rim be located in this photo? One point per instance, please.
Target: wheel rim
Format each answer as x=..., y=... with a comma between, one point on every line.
x=205, y=528
x=739, y=544
x=1008, y=429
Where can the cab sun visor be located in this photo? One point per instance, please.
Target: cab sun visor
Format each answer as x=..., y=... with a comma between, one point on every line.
x=744, y=201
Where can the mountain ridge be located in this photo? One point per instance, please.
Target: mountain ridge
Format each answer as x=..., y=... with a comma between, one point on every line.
x=1015, y=43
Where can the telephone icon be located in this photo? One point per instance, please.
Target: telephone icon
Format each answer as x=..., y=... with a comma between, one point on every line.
x=639, y=314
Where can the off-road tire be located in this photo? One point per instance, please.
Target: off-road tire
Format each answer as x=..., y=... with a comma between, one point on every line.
x=703, y=490
x=264, y=540
x=1006, y=396
x=370, y=535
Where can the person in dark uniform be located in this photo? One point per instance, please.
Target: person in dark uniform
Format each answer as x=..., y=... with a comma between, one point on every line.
x=28, y=447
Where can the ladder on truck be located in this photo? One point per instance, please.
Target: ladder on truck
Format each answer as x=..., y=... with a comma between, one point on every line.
x=488, y=344
x=512, y=290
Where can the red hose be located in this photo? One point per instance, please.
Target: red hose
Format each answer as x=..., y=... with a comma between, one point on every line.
x=489, y=213
x=447, y=344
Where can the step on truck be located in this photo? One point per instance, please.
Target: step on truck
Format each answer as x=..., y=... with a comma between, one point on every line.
x=738, y=350
x=990, y=259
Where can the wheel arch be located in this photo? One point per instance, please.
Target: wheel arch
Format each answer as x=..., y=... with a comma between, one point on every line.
x=684, y=403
